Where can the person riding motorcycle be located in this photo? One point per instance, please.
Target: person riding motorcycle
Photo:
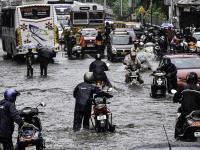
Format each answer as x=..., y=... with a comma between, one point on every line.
x=189, y=101
x=170, y=69
x=176, y=40
x=83, y=94
x=9, y=115
x=132, y=63
x=71, y=41
x=98, y=68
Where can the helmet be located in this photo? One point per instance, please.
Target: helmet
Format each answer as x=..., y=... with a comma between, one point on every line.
x=98, y=57
x=192, y=78
x=11, y=95
x=88, y=77
x=133, y=54
x=167, y=61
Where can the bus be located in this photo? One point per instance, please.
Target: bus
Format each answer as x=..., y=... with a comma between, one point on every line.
x=28, y=25
x=87, y=15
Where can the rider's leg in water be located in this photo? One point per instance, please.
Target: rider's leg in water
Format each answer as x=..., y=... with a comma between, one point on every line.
x=87, y=115
x=140, y=79
x=78, y=116
x=107, y=82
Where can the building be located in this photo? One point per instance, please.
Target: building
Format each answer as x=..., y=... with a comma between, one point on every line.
x=184, y=13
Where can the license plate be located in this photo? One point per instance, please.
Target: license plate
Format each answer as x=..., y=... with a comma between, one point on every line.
x=31, y=148
x=103, y=117
x=90, y=45
x=196, y=134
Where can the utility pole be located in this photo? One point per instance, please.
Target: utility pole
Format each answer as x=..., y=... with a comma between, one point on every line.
x=121, y=8
x=172, y=11
x=151, y=4
x=104, y=3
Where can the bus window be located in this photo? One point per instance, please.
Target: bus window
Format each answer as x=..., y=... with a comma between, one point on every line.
x=96, y=15
x=62, y=11
x=80, y=15
x=35, y=12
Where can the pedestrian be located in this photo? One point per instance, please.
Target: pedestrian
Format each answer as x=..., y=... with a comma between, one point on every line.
x=44, y=55
x=99, y=44
x=29, y=62
x=71, y=41
x=66, y=34
x=82, y=44
x=83, y=94
x=8, y=115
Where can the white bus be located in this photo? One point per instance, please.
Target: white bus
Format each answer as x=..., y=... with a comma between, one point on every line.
x=26, y=25
x=87, y=14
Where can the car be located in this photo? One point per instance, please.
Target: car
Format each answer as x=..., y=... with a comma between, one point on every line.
x=89, y=35
x=197, y=36
x=121, y=45
x=124, y=31
x=184, y=63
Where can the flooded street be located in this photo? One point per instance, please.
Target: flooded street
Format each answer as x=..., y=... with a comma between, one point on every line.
x=138, y=117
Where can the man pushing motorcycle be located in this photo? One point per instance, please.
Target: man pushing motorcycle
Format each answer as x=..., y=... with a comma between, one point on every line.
x=83, y=93
x=8, y=115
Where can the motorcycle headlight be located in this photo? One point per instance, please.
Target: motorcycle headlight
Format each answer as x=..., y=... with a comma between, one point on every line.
x=159, y=81
x=76, y=48
x=114, y=50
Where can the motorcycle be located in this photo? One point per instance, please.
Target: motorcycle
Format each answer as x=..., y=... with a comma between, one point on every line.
x=133, y=77
x=159, y=86
x=77, y=51
x=191, y=127
x=30, y=134
x=192, y=47
x=190, y=130
x=101, y=117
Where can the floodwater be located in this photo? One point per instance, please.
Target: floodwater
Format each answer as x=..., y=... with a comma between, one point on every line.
x=138, y=117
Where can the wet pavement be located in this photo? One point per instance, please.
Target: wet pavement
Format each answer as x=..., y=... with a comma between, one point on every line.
x=138, y=117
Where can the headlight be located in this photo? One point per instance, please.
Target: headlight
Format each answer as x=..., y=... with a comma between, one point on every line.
x=76, y=48
x=114, y=50
x=159, y=81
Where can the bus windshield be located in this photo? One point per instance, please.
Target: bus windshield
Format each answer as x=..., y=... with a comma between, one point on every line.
x=80, y=15
x=96, y=15
x=35, y=12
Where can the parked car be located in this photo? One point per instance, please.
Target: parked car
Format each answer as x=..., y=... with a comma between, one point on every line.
x=90, y=37
x=185, y=63
x=197, y=36
x=121, y=45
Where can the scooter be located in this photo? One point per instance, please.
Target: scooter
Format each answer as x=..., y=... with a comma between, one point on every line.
x=77, y=51
x=159, y=85
x=101, y=117
x=133, y=77
x=190, y=130
x=191, y=127
x=30, y=134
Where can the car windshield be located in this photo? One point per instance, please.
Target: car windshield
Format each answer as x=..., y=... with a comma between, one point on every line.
x=186, y=63
x=121, y=40
x=197, y=36
x=89, y=32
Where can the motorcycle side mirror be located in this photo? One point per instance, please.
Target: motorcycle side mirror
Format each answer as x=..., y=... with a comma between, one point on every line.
x=173, y=91
x=107, y=64
x=43, y=104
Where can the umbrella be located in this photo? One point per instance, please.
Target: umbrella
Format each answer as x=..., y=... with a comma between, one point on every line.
x=167, y=25
x=46, y=52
